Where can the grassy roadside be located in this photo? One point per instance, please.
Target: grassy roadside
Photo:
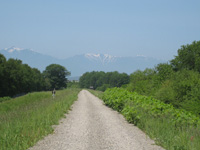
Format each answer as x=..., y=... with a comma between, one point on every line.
x=98, y=94
x=171, y=128
x=26, y=119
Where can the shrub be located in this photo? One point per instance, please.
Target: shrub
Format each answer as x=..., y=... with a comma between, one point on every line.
x=161, y=121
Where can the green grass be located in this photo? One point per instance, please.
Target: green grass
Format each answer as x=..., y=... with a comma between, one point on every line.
x=164, y=133
x=3, y=99
x=27, y=119
x=96, y=93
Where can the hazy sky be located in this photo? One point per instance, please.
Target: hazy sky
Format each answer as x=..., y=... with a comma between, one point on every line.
x=63, y=28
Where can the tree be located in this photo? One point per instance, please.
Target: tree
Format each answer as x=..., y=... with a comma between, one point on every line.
x=2, y=59
x=164, y=71
x=188, y=57
x=142, y=81
x=56, y=75
x=18, y=78
x=102, y=81
x=2, y=74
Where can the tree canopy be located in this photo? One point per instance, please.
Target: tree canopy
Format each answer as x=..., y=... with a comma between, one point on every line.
x=188, y=57
x=177, y=82
x=56, y=75
x=18, y=78
x=101, y=80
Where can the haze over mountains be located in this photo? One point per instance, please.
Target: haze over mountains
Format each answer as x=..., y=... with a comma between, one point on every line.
x=80, y=64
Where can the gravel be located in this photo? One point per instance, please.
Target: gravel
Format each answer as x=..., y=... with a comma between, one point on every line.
x=93, y=126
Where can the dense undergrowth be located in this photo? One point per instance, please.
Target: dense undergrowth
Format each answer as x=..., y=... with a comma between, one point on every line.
x=174, y=129
x=26, y=119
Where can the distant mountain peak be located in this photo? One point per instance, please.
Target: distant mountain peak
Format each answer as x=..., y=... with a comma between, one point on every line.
x=12, y=49
x=80, y=64
x=141, y=55
x=103, y=58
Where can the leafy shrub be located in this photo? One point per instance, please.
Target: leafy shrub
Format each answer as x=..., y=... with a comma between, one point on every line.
x=166, y=92
x=153, y=116
x=182, y=91
x=103, y=87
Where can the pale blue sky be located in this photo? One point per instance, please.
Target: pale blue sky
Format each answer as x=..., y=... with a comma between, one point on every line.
x=64, y=28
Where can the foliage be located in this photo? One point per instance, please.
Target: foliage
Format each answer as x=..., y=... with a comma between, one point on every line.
x=101, y=80
x=141, y=81
x=164, y=71
x=177, y=82
x=181, y=88
x=18, y=78
x=103, y=87
x=27, y=119
x=170, y=127
x=73, y=84
x=56, y=75
x=188, y=57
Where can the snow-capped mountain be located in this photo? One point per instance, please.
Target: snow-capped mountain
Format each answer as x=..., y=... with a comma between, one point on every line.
x=28, y=56
x=13, y=49
x=102, y=58
x=80, y=64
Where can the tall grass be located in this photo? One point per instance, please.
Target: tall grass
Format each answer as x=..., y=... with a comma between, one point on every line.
x=27, y=119
x=97, y=93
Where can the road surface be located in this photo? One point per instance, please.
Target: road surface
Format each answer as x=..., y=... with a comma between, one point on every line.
x=93, y=126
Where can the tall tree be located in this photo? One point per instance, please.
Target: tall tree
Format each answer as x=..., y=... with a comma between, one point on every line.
x=2, y=74
x=188, y=57
x=56, y=75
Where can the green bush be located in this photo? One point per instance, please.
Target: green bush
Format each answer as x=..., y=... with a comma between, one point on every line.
x=182, y=91
x=161, y=121
x=103, y=87
x=166, y=92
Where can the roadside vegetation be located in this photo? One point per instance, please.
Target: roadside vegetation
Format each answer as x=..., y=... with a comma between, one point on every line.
x=27, y=119
x=98, y=94
x=164, y=101
x=174, y=129
x=176, y=82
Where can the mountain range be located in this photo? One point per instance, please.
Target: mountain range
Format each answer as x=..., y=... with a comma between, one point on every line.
x=80, y=64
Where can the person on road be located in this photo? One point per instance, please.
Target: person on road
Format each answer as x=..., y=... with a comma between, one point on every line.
x=53, y=93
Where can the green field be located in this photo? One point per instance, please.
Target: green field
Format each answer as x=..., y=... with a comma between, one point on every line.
x=27, y=119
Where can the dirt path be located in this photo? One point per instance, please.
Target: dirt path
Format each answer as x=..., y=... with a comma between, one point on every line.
x=92, y=126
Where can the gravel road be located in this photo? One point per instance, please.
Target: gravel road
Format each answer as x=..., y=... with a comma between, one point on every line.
x=93, y=126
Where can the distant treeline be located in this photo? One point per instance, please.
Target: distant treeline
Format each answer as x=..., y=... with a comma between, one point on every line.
x=18, y=78
x=101, y=80
x=176, y=82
